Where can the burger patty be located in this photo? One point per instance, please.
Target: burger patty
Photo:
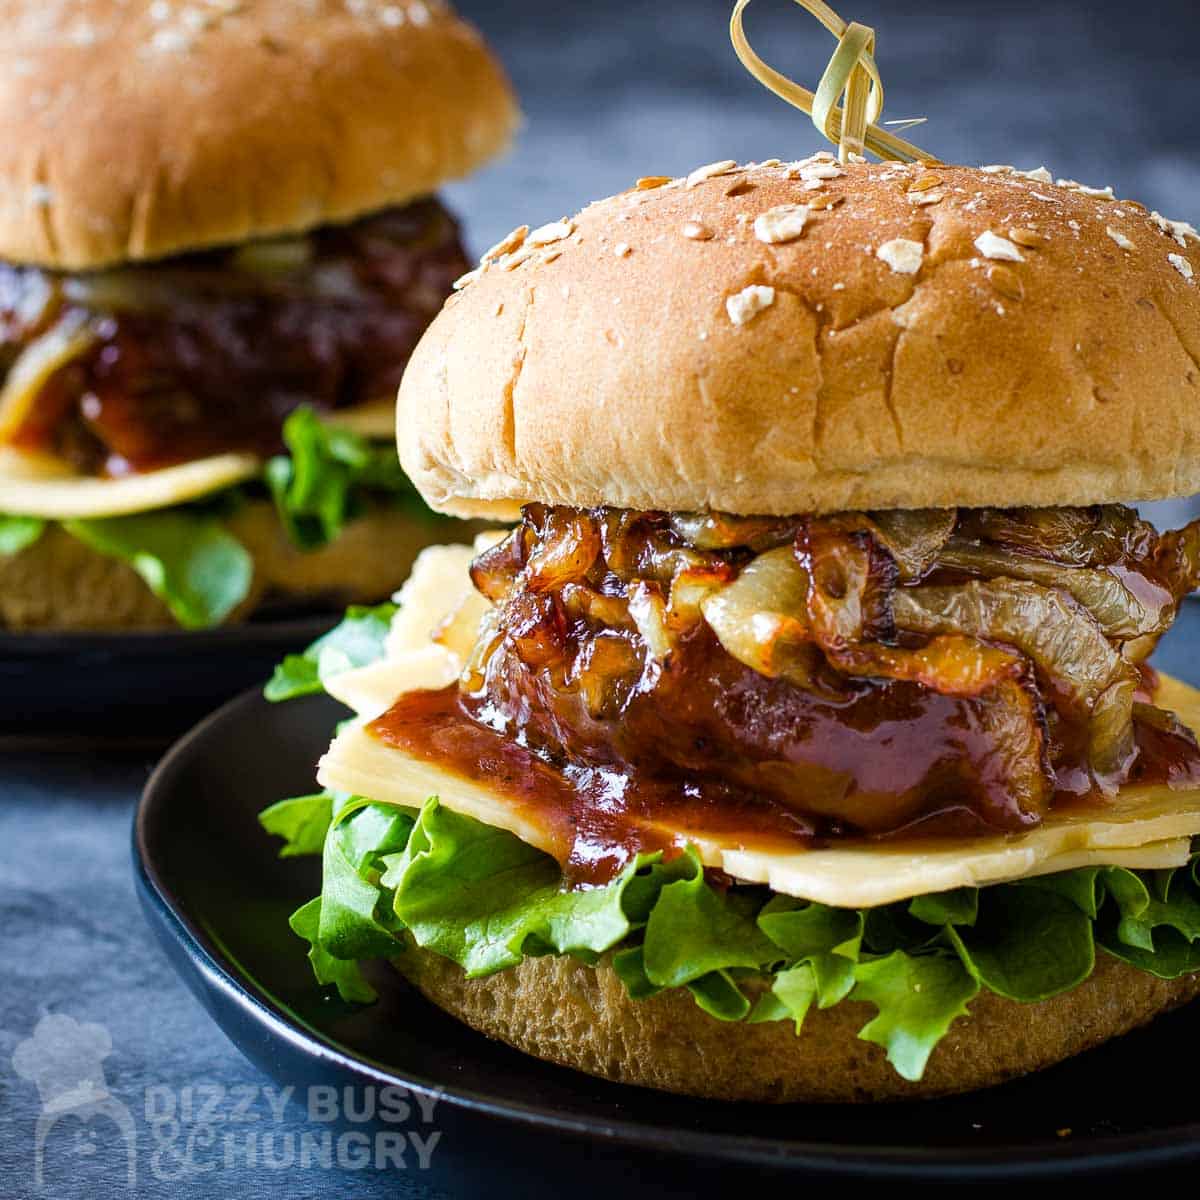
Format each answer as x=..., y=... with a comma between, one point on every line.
x=209, y=352
x=856, y=674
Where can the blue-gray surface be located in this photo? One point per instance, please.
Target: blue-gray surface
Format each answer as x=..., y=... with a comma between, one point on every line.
x=1103, y=92
x=1099, y=90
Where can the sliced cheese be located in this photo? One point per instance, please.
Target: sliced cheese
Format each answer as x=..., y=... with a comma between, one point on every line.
x=370, y=691
x=38, y=486
x=439, y=602
x=363, y=766
x=1144, y=827
x=431, y=634
x=871, y=875
x=374, y=419
x=69, y=339
x=1147, y=827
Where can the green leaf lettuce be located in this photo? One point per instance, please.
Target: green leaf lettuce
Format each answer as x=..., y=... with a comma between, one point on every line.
x=318, y=486
x=302, y=822
x=18, y=533
x=484, y=899
x=192, y=562
x=188, y=559
x=356, y=642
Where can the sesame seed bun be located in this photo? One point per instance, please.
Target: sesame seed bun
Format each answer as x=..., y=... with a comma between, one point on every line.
x=580, y=1016
x=914, y=336
x=136, y=131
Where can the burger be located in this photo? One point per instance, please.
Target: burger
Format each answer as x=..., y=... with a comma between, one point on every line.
x=799, y=742
x=219, y=244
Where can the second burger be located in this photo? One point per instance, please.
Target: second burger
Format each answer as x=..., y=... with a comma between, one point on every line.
x=218, y=245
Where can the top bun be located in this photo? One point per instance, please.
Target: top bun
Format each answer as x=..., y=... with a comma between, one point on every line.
x=135, y=131
x=919, y=336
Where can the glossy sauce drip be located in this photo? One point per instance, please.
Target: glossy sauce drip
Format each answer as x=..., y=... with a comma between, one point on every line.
x=620, y=711
x=1164, y=757
x=597, y=817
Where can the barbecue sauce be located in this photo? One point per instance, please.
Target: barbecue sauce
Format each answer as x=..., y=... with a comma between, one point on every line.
x=597, y=818
x=611, y=749
x=211, y=356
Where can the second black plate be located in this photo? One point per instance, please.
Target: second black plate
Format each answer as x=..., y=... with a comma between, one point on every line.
x=218, y=898
x=68, y=688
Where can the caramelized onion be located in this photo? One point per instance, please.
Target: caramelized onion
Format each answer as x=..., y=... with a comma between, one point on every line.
x=1177, y=557
x=691, y=587
x=605, y=674
x=663, y=563
x=496, y=571
x=950, y=664
x=963, y=666
x=579, y=600
x=71, y=338
x=281, y=265
x=649, y=612
x=1019, y=758
x=1161, y=719
x=1116, y=609
x=914, y=537
x=723, y=531
x=489, y=637
x=850, y=583
x=161, y=288
x=734, y=646
x=568, y=547
x=1078, y=537
x=274, y=256
x=534, y=627
x=1111, y=744
x=761, y=618
x=1066, y=645
x=125, y=290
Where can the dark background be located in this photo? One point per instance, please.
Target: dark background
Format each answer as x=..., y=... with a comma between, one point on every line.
x=1104, y=92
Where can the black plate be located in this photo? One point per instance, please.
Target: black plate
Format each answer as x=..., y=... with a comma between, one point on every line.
x=219, y=898
x=146, y=687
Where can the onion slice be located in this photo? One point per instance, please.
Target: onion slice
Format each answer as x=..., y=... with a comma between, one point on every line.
x=1178, y=558
x=71, y=338
x=1079, y=537
x=1111, y=744
x=851, y=579
x=723, y=531
x=914, y=537
x=1116, y=609
x=761, y=618
x=1063, y=641
x=1007, y=710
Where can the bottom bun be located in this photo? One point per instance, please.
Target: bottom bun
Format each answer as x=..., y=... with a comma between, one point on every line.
x=59, y=584
x=561, y=1010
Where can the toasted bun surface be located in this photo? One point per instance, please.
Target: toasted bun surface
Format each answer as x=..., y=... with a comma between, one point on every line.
x=604, y=367
x=581, y=1017
x=60, y=584
x=133, y=131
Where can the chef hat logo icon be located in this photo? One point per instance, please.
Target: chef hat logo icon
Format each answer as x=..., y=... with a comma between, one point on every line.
x=64, y=1058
